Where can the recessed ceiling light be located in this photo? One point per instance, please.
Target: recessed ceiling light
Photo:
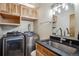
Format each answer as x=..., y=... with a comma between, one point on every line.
x=59, y=11
x=53, y=13
x=63, y=5
x=66, y=7
x=55, y=9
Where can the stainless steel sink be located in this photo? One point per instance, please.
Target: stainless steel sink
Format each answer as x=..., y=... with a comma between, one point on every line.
x=62, y=47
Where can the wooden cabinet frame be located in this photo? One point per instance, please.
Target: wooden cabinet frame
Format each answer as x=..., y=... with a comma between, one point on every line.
x=14, y=10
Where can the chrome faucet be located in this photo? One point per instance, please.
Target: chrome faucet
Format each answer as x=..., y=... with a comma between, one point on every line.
x=60, y=31
x=61, y=39
x=65, y=31
x=61, y=35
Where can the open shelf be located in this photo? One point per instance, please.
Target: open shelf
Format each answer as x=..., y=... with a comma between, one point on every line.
x=28, y=18
x=9, y=24
x=7, y=19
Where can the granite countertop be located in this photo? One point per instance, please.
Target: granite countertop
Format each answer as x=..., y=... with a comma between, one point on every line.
x=57, y=51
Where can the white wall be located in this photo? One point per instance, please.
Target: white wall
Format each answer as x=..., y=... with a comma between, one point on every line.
x=63, y=20
x=77, y=18
x=44, y=27
x=23, y=27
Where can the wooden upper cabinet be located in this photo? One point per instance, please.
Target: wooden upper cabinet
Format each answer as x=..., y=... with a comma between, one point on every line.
x=34, y=13
x=18, y=10
x=18, y=7
x=2, y=7
x=5, y=7
x=15, y=9
x=10, y=14
x=24, y=10
x=28, y=12
x=10, y=8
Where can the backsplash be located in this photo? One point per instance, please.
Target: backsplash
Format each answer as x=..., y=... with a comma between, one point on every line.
x=23, y=27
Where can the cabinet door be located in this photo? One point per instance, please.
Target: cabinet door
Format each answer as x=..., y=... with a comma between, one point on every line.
x=18, y=9
x=34, y=12
x=4, y=7
x=13, y=8
x=30, y=12
x=24, y=10
x=8, y=8
x=38, y=53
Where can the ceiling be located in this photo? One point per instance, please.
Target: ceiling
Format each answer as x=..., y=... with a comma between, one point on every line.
x=38, y=5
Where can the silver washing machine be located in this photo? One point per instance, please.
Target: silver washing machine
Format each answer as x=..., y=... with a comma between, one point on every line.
x=31, y=39
x=13, y=44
